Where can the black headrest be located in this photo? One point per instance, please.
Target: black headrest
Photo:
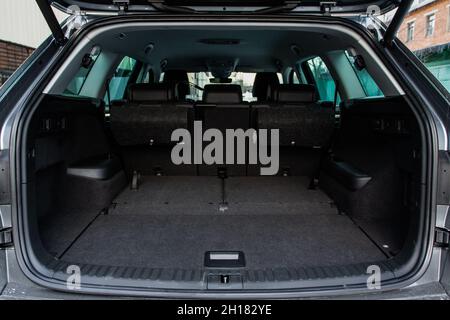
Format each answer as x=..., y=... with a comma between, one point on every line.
x=295, y=93
x=222, y=93
x=264, y=81
x=149, y=92
x=179, y=79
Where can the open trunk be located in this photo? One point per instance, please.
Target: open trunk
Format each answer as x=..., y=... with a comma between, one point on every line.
x=117, y=211
x=103, y=192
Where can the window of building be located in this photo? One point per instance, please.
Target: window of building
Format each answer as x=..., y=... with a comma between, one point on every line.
x=430, y=24
x=410, y=31
x=448, y=18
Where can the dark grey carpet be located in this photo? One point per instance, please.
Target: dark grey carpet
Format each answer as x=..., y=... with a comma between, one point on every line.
x=170, y=222
x=170, y=195
x=267, y=241
x=60, y=229
x=202, y=195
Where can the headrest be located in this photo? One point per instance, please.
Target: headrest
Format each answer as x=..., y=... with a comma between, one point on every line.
x=179, y=79
x=264, y=81
x=149, y=92
x=295, y=93
x=222, y=93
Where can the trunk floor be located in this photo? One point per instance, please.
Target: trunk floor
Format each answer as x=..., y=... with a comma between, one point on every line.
x=170, y=222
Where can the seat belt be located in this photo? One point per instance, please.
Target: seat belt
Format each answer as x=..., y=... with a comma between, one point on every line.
x=337, y=113
x=108, y=97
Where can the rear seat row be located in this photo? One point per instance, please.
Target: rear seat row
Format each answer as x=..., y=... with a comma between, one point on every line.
x=152, y=112
x=150, y=115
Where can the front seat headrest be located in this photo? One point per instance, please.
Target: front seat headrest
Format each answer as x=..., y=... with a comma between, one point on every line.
x=295, y=93
x=222, y=93
x=264, y=81
x=149, y=92
x=179, y=80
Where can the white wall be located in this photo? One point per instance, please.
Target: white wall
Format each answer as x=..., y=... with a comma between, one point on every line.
x=21, y=22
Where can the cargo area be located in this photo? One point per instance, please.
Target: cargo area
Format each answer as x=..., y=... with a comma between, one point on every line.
x=171, y=222
x=102, y=189
x=130, y=206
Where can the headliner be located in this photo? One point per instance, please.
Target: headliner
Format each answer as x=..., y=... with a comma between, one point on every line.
x=257, y=50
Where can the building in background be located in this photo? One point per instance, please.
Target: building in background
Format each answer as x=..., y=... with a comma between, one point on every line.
x=426, y=32
x=22, y=29
x=12, y=55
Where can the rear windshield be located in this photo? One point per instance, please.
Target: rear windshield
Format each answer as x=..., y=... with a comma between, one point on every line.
x=244, y=79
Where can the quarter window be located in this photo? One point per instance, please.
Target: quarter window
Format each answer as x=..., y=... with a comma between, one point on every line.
x=325, y=84
x=121, y=77
x=369, y=85
x=76, y=84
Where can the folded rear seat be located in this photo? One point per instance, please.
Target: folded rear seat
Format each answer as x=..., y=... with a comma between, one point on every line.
x=305, y=127
x=143, y=126
x=222, y=108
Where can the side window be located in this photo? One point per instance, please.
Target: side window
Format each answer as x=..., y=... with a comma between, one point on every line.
x=369, y=86
x=293, y=78
x=322, y=78
x=145, y=75
x=76, y=84
x=121, y=77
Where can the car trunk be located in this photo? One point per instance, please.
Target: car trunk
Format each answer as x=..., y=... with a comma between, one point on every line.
x=102, y=192
x=116, y=210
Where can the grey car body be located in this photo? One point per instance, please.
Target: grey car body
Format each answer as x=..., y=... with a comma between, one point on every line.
x=428, y=277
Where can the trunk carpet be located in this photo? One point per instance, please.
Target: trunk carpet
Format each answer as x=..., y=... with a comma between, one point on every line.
x=268, y=241
x=170, y=222
x=203, y=195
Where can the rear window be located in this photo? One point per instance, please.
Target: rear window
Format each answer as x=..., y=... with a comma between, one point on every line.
x=369, y=85
x=244, y=79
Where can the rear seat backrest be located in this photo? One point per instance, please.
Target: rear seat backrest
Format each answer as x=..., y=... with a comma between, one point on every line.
x=222, y=108
x=179, y=82
x=149, y=117
x=264, y=83
x=222, y=94
x=295, y=112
